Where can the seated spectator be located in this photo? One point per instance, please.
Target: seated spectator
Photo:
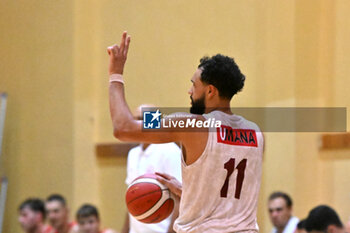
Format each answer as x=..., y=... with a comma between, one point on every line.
x=89, y=220
x=32, y=216
x=280, y=210
x=323, y=219
x=301, y=227
x=57, y=214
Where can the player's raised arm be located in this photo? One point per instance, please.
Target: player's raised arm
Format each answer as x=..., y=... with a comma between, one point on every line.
x=125, y=127
x=120, y=112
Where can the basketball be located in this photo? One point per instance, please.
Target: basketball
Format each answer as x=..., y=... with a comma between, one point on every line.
x=148, y=200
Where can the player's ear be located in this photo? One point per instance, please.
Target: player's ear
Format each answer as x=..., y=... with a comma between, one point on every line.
x=211, y=91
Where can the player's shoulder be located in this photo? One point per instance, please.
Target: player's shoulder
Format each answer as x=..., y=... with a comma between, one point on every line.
x=252, y=125
x=233, y=120
x=247, y=124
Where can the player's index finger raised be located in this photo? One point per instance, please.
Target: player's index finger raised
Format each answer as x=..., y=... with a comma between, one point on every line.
x=122, y=43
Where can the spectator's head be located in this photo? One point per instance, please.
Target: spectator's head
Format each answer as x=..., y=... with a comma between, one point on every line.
x=323, y=219
x=57, y=211
x=280, y=209
x=301, y=227
x=31, y=214
x=88, y=219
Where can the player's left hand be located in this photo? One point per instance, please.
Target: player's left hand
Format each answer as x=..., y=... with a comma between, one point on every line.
x=118, y=54
x=171, y=182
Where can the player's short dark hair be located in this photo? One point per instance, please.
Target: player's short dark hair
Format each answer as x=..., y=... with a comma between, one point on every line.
x=57, y=197
x=223, y=73
x=321, y=217
x=283, y=195
x=301, y=224
x=34, y=204
x=87, y=210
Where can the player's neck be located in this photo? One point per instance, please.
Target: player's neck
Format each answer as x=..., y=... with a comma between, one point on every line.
x=37, y=229
x=220, y=105
x=217, y=104
x=144, y=146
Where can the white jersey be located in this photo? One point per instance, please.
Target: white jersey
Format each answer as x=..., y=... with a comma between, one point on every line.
x=220, y=190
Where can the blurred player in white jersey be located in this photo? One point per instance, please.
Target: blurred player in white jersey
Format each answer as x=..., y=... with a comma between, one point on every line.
x=221, y=167
x=280, y=207
x=151, y=158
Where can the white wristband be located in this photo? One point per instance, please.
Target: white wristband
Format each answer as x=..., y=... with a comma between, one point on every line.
x=116, y=78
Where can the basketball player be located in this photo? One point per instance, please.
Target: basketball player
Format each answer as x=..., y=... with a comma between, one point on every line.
x=221, y=167
x=57, y=214
x=323, y=219
x=32, y=216
x=89, y=220
x=151, y=158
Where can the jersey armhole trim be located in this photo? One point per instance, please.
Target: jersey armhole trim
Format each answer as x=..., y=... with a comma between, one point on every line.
x=201, y=157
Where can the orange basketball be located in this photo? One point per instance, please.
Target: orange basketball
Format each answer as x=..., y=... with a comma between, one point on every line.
x=148, y=200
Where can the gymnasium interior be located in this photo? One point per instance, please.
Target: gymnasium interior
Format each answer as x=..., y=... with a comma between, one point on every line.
x=57, y=133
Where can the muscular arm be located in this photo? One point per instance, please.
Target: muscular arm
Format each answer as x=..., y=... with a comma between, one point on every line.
x=126, y=128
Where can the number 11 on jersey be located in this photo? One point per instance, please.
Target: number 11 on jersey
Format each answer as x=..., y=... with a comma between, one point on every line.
x=230, y=167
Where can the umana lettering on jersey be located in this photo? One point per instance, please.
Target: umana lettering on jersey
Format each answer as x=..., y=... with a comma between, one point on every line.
x=237, y=137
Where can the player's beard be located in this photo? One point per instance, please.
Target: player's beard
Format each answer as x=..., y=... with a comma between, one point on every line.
x=198, y=106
